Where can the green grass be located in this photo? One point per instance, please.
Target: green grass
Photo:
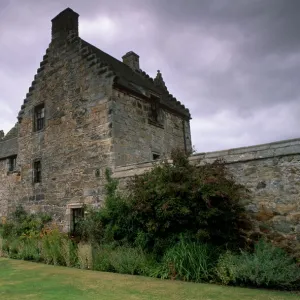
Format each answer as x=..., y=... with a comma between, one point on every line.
x=26, y=280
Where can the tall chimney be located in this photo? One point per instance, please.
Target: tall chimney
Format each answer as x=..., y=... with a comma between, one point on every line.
x=131, y=59
x=1, y=134
x=64, y=24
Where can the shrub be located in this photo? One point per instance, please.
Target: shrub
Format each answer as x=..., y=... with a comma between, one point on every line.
x=21, y=223
x=110, y=222
x=127, y=260
x=227, y=270
x=101, y=258
x=51, y=244
x=180, y=198
x=85, y=257
x=28, y=250
x=267, y=266
x=188, y=261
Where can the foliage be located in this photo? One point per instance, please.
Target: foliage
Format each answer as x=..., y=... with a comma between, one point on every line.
x=179, y=198
x=85, y=257
x=28, y=249
x=127, y=260
x=109, y=222
x=51, y=245
x=226, y=270
x=102, y=258
x=267, y=266
x=21, y=223
x=188, y=261
x=69, y=252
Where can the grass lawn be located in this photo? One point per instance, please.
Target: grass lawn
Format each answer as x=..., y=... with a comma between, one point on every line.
x=26, y=280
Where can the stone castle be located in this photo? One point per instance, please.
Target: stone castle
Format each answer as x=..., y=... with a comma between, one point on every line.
x=86, y=111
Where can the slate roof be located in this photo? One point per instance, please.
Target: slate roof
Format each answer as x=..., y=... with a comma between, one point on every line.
x=132, y=80
x=9, y=144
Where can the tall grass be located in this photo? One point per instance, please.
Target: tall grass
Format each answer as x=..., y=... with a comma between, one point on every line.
x=85, y=256
x=68, y=252
x=188, y=261
x=1, y=246
x=51, y=245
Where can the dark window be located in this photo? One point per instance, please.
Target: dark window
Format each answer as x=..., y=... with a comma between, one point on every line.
x=77, y=216
x=39, y=117
x=155, y=156
x=154, y=108
x=12, y=163
x=37, y=171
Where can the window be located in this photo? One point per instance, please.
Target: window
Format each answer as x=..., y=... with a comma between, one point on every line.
x=12, y=163
x=155, y=156
x=37, y=171
x=154, y=108
x=77, y=216
x=39, y=117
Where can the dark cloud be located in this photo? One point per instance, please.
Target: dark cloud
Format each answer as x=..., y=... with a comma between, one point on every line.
x=234, y=63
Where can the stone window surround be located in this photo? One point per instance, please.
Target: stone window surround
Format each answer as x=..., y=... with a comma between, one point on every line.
x=69, y=214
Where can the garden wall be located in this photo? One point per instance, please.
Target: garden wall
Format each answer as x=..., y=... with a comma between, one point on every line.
x=272, y=174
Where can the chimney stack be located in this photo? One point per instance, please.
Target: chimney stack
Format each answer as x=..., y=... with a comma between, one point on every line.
x=131, y=59
x=1, y=134
x=64, y=24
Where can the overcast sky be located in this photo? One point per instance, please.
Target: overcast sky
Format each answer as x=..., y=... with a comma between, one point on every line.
x=234, y=63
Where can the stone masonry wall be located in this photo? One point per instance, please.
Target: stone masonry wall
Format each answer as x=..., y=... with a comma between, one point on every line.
x=272, y=174
x=75, y=146
x=135, y=139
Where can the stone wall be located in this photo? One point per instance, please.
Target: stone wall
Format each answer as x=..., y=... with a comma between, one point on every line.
x=272, y=174
x=136, y=138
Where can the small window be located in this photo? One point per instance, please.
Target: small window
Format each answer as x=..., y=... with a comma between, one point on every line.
x=37, y=172
x=12, y=163
x=155, y=156
x=154, y=108
x=39, y=117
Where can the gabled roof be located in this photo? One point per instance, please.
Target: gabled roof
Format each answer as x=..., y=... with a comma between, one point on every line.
x=134, y=80
x=9, y=144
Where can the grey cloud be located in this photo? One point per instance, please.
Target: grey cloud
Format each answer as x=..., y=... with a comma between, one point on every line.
x=234, y=63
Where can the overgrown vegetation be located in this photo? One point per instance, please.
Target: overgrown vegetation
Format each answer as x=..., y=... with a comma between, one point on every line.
x=178, y=221
x=172, y=200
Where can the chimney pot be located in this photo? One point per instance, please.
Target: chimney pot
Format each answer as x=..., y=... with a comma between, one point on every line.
x=131, y=59
x=64, y=24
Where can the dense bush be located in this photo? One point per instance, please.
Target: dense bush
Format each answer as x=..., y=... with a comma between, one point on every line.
x=267, y=266
x=202, y=203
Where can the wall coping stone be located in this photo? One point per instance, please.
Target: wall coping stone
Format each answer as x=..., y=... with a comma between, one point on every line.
x=234, y=155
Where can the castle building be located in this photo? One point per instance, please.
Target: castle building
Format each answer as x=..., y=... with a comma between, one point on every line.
x=85, y=111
